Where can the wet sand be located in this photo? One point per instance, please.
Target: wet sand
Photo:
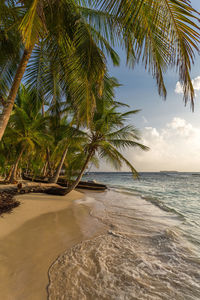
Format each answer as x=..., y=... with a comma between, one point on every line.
x=34, y=235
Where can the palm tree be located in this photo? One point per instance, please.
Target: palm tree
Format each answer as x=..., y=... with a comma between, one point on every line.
x=67, y=40
x=160, y=33
x=66, y=135
x=26, y=127
x=71, y=138
x=108, y=134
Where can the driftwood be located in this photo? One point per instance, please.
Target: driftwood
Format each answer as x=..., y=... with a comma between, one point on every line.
x=37, y=188
x=35, y=179
x=8, y=193
x=7, y=202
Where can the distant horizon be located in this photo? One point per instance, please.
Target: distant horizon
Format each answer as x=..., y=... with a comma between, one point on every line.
x=143, y=171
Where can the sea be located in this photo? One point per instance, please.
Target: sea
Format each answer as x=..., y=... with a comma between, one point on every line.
x=151, y=250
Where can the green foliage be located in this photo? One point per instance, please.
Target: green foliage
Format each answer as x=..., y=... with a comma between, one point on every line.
x=161, y=33
x=68, y=99
x=26, y=129
x=109, y=136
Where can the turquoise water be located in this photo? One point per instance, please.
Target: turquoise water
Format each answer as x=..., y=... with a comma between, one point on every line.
x=151, y=248
x=175, y=192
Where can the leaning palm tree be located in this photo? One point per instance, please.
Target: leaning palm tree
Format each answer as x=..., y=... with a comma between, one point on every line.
x=71, y=138
x=67, y=39
x=107, y=136
x=160, y=33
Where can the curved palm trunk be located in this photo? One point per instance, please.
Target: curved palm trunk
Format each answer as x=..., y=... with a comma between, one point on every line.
x=49, y=167
x=76, y=182
x=14, y=170
x=7, y=109
x=44, y=170
x=9, y=174
x=55, y=177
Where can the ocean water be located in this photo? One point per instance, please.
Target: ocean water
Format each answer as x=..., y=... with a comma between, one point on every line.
x=175, y=192
x=151, y=249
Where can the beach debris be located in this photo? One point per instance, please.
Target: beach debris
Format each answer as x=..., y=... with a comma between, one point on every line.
x=7, y=201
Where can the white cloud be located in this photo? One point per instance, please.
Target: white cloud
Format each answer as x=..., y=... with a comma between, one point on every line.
x=182, y=128
x=179, y=88
x=195, y=82
x=175, y=147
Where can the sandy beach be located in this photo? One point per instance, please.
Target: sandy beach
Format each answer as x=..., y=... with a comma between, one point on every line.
x=34, y=235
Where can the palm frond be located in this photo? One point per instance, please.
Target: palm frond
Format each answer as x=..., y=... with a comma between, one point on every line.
x=118, y=157
x=160, y=33
x=123, y=144
x=126, y=132
x=31, y=26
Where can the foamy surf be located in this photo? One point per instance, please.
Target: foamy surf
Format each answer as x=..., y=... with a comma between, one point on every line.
x=113, y=267
x=142, y=256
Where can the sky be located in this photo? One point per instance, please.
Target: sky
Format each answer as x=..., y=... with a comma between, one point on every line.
x=169, y=128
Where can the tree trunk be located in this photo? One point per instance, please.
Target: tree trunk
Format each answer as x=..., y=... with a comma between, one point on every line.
x=55, y=177
x=7, y=109
x=14, y=170
x=49, y=173
x=76, y=182
x=44, y=169
x=9, y=174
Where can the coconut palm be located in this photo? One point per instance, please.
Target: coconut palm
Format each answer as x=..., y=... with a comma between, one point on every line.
x=26, y=127
x=67, y=41
x=160, y=33
x=66, y=135
x=71, y=138
x=107, y=136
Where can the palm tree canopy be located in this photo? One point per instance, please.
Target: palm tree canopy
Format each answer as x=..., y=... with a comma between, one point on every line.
x=27, y=126
x=160, y=33
x=109, y=135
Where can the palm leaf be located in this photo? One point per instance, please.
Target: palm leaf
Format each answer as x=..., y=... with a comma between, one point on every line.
x=161, y=33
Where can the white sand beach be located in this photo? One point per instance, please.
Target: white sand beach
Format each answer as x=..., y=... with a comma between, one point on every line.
x=34, y=235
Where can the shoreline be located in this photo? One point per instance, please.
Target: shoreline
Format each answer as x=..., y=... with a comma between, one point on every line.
x=141, y=252
x=96, y=245
x=35, y=234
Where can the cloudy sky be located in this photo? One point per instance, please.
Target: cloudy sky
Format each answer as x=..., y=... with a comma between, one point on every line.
x=169, y=128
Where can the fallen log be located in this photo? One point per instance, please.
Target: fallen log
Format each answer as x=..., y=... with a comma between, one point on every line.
x=31, y=188
x=38, y=179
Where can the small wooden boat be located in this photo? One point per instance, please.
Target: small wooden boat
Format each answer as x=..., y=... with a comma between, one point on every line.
x=89, y=185
x=84, y=185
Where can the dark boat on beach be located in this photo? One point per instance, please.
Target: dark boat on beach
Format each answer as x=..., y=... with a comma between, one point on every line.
x=89, y=185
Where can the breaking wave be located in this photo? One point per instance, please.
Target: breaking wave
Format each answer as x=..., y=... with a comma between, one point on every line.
x=141, y=256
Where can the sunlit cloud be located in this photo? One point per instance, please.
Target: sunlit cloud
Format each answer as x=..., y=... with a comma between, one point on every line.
x=179, y=88
x=176, y=146
x=195, y=82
